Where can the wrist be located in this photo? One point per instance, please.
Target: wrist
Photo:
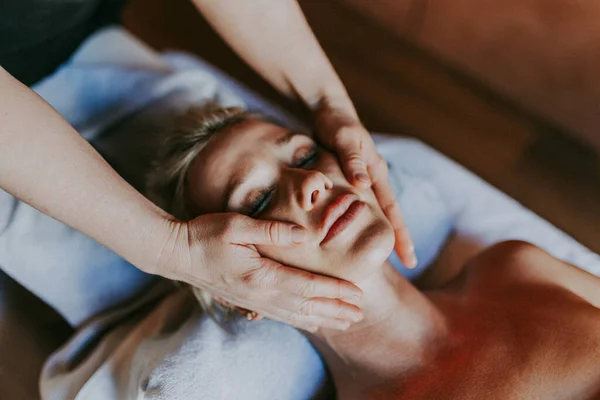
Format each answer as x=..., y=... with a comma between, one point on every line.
x=335, y=107
x=332, y=117
x=171, y=249
x=338, y=100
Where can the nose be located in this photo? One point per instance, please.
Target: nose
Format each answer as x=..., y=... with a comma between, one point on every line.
x=312, y=186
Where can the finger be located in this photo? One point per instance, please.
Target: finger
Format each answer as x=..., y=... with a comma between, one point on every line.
x=403, y=246
x=326, y=308
x=306, y=284
x=385, y=195
x=313, y=324
x=246, y=230
x=308, y=314
x=349, y=149
x=317, y=313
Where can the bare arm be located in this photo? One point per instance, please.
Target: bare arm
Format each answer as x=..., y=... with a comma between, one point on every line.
x=46, y=163
x=274, y=38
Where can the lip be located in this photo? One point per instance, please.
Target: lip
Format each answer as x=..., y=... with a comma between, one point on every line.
x=339, y=215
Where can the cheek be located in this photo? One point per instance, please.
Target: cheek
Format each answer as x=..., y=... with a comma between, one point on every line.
x=369, y=250
x=302, y=257
x=352, y=260
x=377, y=242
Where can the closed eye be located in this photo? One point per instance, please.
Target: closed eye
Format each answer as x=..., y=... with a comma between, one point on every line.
x=308, y=159
x=261, y=202
x=265, y=196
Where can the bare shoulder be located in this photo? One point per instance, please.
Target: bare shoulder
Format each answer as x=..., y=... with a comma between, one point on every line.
x=517, y=262
x=527, y=317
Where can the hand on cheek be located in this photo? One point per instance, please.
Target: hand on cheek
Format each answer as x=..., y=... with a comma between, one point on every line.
x=364, y=167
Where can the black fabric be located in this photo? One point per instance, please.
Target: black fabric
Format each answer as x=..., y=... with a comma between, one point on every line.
x=36, y=36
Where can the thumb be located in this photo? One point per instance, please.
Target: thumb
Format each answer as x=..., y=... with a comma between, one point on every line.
x=266, y=233
x=352, y=159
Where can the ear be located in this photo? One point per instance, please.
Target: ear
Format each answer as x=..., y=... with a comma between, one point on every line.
x=249, y=315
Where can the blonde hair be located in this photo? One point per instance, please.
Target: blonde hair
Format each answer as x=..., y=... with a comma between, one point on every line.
x=166, y=183
x=191, y=132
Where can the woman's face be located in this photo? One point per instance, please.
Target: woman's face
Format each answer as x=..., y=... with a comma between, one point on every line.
x=267, y=172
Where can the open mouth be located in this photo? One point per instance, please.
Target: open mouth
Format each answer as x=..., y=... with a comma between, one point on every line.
x=340, y=214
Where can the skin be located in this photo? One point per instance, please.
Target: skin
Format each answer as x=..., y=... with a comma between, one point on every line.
x=513, y=323
x=300, y=194
x=287, y=54
x=45, y=163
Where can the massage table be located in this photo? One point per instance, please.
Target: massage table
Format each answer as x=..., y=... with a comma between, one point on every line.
x=103, y=91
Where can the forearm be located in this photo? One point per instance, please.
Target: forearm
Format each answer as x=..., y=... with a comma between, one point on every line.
x=46, y=163
x=274, y=38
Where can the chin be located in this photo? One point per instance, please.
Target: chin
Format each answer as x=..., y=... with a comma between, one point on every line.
x=372, y=248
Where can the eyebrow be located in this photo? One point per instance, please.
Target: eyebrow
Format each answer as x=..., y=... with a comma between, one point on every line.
x=232, y=186
x=285, y=139
x=236, y=181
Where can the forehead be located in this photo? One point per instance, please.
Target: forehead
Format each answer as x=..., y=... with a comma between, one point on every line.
x=227, y=153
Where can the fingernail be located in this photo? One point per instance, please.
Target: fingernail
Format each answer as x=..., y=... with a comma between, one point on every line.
x=412, y=261
x=355, y=316
x=298, y=234
x=361, y=176
x=342, y=325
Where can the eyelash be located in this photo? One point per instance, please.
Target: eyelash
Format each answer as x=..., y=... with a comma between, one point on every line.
x=264, y=198
x=308, y=159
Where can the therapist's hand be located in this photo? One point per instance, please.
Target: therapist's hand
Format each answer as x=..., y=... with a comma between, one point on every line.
x=340, y=130
x=216, y=252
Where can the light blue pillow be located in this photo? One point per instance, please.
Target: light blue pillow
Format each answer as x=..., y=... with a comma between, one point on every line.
x=427, y=218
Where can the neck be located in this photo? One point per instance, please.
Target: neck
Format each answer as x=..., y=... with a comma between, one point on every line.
x=398, y=332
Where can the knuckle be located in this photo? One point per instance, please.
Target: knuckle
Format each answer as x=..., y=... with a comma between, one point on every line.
x=355, y=157
x=293, y=319
x=306, y=307
x=273, y=232
x=338, y=289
